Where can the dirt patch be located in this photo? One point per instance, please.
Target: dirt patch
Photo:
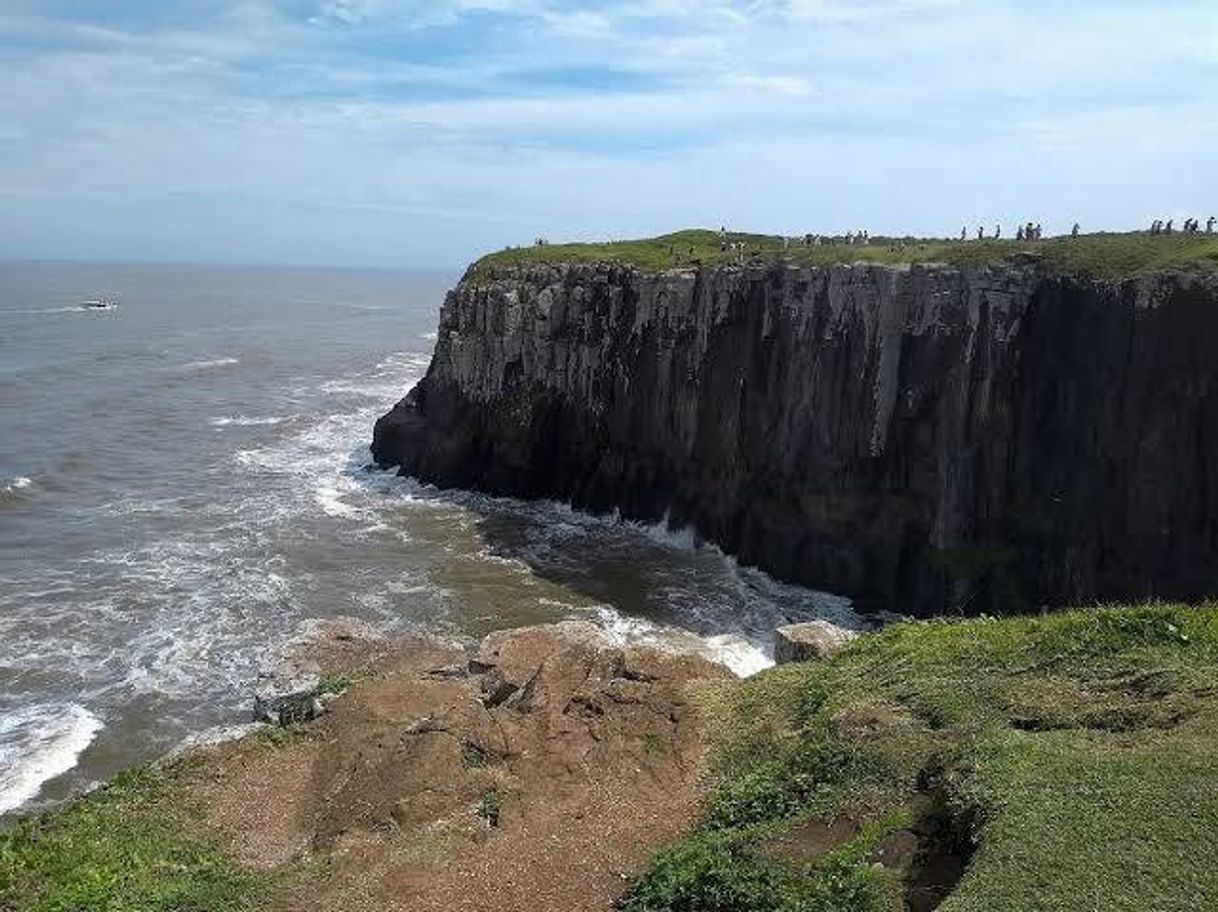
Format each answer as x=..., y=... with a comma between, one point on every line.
x=933, y=853
x=807, y=842
x=541, y=774
x=940, y=860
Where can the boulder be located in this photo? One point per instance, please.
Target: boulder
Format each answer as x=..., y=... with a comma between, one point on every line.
x=809, y=642
x=288, y=695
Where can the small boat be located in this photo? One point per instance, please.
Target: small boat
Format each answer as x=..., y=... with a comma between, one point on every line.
x=99, y=304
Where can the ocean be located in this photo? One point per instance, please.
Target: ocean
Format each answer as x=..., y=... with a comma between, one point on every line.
x=185, y=485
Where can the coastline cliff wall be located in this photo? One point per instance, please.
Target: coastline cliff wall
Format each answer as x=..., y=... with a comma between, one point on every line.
x=924, y=439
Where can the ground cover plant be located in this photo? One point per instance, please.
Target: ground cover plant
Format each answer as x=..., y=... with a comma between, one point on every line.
x=1059, y=763
x=128, y=847
x=1104, y=256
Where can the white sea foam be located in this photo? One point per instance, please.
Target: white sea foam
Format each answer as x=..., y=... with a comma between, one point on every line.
x=208, y=365
x=246, y=421
x=38, y=743
x=10, y=486
x=331, y=501
x=732, y=650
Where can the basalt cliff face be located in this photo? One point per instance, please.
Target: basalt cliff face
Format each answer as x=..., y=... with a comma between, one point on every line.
x=923, y=439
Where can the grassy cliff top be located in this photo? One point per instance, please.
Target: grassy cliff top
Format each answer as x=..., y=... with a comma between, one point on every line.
x=1062, y=762
x=1107, y=256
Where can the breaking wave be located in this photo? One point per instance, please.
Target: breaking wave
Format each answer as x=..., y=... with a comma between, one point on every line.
x=37, y=744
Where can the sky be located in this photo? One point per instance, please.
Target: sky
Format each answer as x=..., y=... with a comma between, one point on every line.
x=422, y=133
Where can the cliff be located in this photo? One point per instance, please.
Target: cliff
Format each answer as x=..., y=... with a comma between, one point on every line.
x=925, y=438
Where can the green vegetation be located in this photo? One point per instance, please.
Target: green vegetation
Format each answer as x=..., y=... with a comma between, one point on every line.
x=1067, y=759
x=1105, y=256
x=1061, y=762
x=490, y=806
x=335, y=683
x=275, y=736
x=121, y=849
x=473, y=756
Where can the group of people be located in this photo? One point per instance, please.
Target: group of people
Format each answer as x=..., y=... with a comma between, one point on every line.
x=851, y=238
x=1191, y=226
x=1028, y=232
x=1032, y=232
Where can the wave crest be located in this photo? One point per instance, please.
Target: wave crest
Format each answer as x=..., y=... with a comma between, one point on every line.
x=37, y=744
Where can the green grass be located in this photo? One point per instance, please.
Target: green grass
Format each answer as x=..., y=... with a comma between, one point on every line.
x=1073, y=752
x=335, y=683
x=127, y=847
x=1105, y=256
x=277, y=736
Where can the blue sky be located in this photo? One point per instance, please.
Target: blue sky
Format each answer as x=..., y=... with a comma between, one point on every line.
x=420, y=133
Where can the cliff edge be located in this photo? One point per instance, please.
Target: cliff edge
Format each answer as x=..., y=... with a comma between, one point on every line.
x=922, y=437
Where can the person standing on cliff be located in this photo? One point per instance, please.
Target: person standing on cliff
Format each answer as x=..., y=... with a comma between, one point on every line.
x=997, y=232
x=1167, y=229
x=980, y=233
x=1209, y=225
x=964, y=233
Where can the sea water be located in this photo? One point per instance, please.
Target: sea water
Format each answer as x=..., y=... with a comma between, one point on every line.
x=185, y=484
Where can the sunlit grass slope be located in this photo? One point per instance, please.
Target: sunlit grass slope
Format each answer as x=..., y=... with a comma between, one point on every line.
x=1067, y=761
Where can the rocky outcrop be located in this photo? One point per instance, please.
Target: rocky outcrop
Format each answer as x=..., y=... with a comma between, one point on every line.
x=810, y=641
x=924, y=438
x=538, y=771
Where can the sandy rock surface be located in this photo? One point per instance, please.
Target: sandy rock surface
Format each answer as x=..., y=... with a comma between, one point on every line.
x=538, y=772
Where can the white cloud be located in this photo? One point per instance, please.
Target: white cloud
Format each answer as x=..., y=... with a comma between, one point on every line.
x=796, y=115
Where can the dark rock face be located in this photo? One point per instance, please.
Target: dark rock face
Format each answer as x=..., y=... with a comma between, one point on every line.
x=923, y=439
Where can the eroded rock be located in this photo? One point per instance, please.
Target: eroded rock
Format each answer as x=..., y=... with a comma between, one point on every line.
x=591, y=762
x=288, y=695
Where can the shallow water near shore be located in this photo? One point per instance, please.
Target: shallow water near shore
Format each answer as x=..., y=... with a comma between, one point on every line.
x=185, y=483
